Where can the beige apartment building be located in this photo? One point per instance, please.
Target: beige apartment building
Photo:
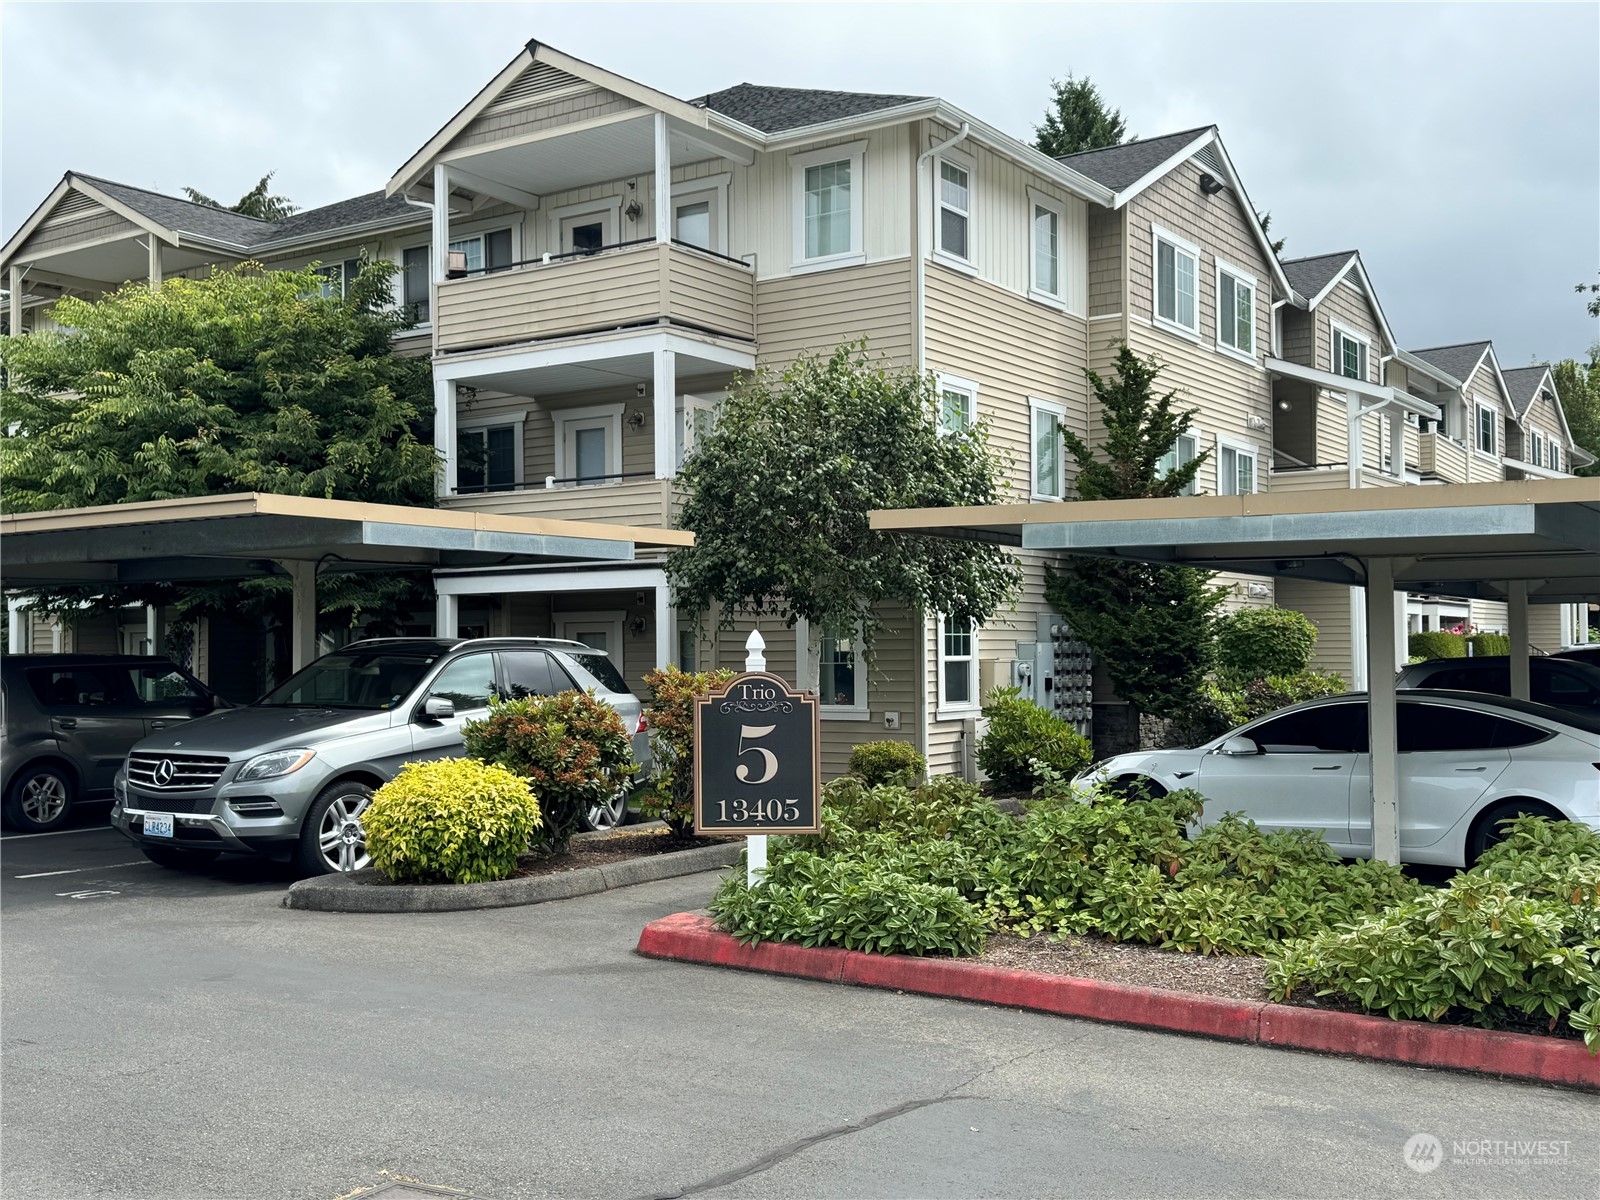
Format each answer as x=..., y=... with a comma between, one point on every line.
x=592, y=262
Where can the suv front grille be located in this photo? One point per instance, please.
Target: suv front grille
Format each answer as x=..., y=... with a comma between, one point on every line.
x=175, y=772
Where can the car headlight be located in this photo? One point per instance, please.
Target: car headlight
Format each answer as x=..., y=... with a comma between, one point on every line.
x=278, y=762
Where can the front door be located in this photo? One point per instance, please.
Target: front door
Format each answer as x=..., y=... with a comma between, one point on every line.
x=468, y=683
x=1299, y=780
x=600, y=631
x=587, y=233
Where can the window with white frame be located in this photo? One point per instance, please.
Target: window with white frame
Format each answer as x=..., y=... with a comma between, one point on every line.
x=1555, y=455
x=827, y=204
x=953, y=205
x=1048, y=476
x=1185, y=450
x=958, y=404
x=486, y=459
x=588, y=444
x=488, y=251
x=1536, y=447
x=958, y=665
x=1045, y=233
x=1486, y=441
x=336, y=278
x=842, y=672
x=699, y=209
x=1177, y=265
x=1349, y=354
x=415, y=274
x=1236, y=311
x=693, y=420
x=1236, y=468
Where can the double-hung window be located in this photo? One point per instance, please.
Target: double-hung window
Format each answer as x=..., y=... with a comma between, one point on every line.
x=1555, y=455
x=1044, y=238
x=1536, y=448
x=489, y=453
x=1177, y=287
x=1349, y=354
x=958, y=404
x=1236, y=468
x=415, y=274
x=827, y=204
x=1236, y=312
x=336, y=278
x=1048, y=419
x=1184, y=450
x=485, y=251
x=842, y=673
x=1486, y=440
x=958, y=665
x=953, y=211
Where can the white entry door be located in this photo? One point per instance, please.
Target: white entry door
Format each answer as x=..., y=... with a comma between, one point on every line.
x=587, y=233
x=601, y=631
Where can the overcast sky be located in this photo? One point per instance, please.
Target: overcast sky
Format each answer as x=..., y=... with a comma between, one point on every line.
x=1457, y=147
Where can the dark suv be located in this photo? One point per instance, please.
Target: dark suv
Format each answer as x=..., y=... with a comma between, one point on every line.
x=69, y=720
x=1559, y=682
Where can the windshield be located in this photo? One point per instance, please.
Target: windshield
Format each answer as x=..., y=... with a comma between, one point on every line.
x=353, y=679
x=601, y=667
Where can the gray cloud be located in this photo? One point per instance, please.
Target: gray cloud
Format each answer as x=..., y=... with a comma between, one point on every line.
x=1455, y=146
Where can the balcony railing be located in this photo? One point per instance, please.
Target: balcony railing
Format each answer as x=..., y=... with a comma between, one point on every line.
x=618, y=499
x=1441, y=457
x=630, y=284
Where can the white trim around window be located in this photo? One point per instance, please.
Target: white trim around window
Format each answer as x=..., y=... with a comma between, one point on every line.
x=1040, y=205
x=1231, y=455
x=1230, y=281
x=517, y=421
x=1185, y=449
x=608, y=208
x=1182, y=251
x=1337, y=331
x=955, y=197
x=713, y=190
x=1046, y=450
x=958, y=671
x=570, y=421
x=967, y=390
x=859, y=707
x=1479, y=428
x=854, y=155
x=1535, y=448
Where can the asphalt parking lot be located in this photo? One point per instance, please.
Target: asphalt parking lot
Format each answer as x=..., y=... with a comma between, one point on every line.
x=170, y=1035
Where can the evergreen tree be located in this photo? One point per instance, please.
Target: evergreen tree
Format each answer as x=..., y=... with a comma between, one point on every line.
x=1078, y=119
x=257, y=202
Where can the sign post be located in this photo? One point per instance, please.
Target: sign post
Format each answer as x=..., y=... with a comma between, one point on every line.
x=756, y=764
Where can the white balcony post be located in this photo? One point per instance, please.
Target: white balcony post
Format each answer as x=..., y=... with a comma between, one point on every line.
x=444, y=434
x=1517, y=627
x=1353, y=448
x=16, y=300
x=441, y=221
x=663, y=181
x=153, y=272
x=666, y=400
x=1397, y=443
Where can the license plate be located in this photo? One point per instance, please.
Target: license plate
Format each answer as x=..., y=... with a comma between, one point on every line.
x=158, y=825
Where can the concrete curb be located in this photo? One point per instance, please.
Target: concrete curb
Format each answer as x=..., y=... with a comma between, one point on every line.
x=691, y=937
x=356, y=893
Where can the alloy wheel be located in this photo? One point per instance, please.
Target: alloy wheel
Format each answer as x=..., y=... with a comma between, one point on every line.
x=44, y=798
x=340, y=836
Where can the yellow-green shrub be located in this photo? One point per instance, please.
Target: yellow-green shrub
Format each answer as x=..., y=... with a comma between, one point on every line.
x=452, y=820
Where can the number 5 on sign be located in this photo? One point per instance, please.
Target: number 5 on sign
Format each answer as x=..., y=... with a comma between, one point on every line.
x=769, y=761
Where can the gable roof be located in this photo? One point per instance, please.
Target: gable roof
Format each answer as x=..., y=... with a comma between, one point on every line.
x=1314, y=274
x=1120, y=167
x=1522, y=385
x=1459, y=361
x=776, y=109
x=183, y=216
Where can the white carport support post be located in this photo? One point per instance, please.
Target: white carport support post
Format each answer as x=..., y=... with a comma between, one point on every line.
x=665, y=396
x=1381, y=722
x=665, y=628
x=447, y=615
x=303, y=621
x=663, y=181
x=152, y=629
x=444, y=434
x=1517, y=626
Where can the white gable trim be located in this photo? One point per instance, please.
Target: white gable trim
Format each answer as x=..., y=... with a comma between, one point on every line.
x=70, y=183
x=1365, y=283
x=1181, y=156
x=416, y=167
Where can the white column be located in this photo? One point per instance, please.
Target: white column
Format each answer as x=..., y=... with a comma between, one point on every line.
x=663, y=181
x=16, y=622
x=15, y=284
x=755, y=659
x=447, y=616
x=152, y=629
x=1402, y=650
x=153, y=273
x=303, y=619
x=1382, y=753
x=58, y=636
x=444, y=434
x=1517, y=627
x=1358, y=639
x=666, y=629
x=1397, y=443
x=666, y=400
x=1353, y=450
x=440, y=257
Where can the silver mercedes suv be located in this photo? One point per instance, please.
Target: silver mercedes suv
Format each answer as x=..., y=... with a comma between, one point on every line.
x=289, y=775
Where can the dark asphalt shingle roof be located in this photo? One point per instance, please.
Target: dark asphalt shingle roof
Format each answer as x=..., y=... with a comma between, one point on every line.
x=1311, y=274
x=1458, y=362
x=1523, y=385
x=1121, y=166
x=219, y=224
x=775, y=109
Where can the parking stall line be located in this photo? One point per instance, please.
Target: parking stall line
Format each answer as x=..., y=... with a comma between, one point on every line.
x=138, y=862
x=17, y=837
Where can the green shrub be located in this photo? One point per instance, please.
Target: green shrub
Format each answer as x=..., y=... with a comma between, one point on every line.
x=451, y=820
x=1436, y=643
x=1516, y=936
x=1489, y=644
x=1255, y=643
x=1025, y=744
x=886, y=762
x=572, y=748
x=670, y=711
x=1218, y=708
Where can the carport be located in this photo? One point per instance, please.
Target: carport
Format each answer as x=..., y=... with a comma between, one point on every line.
x=1525, y=542
x=254, y=534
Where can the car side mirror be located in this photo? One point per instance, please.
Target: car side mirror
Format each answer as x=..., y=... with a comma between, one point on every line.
x=1238, y=746
x=438, y=708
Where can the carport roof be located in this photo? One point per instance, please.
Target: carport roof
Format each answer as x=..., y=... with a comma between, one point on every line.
x=1457, y=540
x=231, y=536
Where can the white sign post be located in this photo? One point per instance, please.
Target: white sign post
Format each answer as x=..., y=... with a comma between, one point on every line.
x=755, y=659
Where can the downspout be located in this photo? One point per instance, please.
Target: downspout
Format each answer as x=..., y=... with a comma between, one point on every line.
x=922, y=248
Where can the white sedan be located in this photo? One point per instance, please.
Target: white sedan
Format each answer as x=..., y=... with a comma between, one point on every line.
x=1466, y=762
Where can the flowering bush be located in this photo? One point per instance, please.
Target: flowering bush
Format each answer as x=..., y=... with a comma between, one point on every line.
x=671, y=715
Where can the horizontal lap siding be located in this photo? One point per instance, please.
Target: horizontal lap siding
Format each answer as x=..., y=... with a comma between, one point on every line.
x=1013, y=349
x=518, y=122
x=1104, y=261
x=534, y=302
x=891, y=687
x=1299, y=337
x=1348, y=306
x=1328, y=607
x=1438, y=455
x=1488, y=616
x=102, y=224
x=632, y=502
x=1545, y=630
x=712, y=295
x=816, y=312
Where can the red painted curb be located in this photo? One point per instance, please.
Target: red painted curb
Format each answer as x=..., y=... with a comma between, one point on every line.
x=688, y=937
